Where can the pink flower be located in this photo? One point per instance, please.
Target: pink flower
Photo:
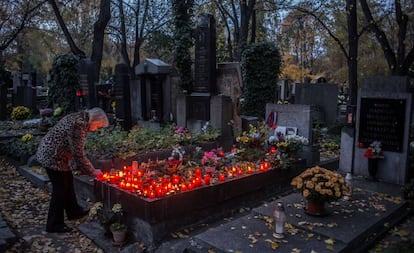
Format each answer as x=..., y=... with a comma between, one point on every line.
x=180, y=130
x=209, y=158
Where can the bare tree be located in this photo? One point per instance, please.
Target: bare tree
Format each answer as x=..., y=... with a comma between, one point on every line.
x=399, y=62
x=98, y=32
x=241, y=16
x=15, y=16
x=133, y=24
x=73, y=47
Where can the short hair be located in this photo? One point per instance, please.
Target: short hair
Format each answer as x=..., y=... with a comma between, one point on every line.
x=96, y=114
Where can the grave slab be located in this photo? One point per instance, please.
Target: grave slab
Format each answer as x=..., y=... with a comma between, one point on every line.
x=353, y=225
x=153, y=219
x=251, y=234
x=39, y=180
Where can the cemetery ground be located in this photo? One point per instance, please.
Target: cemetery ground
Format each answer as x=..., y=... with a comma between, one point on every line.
x=24, y=209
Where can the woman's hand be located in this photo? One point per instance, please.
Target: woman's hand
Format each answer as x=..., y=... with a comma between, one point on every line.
x=97, y=173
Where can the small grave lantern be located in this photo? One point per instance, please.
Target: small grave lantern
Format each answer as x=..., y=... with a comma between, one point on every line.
x=279, y=216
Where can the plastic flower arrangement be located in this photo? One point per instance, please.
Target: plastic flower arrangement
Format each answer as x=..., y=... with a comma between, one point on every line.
x=296, y=142
x=178, y=153
x=254, y=138
x=289, y=144
x=374, y=151
x=175, y=161
x=210, y=159
x=182, y=135
x=320, y=184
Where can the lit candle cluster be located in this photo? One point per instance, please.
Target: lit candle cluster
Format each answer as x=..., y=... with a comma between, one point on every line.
x=138, y=179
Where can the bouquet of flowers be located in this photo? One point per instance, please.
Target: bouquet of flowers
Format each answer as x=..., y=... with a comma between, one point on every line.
x=175, y=161
x=320, y=184
x=374, y=151
x=254, y=138
x=289, y=144
x=296, y=142
x=210, y=159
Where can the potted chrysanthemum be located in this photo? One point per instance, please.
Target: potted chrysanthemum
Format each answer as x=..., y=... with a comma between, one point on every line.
x=318, y=186
x=118, y=227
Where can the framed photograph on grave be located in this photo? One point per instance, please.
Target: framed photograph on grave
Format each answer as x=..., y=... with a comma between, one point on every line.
x=280, y=130
x=291, y=130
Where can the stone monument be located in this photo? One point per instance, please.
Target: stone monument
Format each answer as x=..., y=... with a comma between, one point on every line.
x=384, y=113
x=122, y=96
x=300, y=118
x=205, y=55
x=324, y=95
x=151, y=96
x=87, y=82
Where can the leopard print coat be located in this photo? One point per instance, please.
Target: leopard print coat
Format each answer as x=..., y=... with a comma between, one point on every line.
x=66, y=141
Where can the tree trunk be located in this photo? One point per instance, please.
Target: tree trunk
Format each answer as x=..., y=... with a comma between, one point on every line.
x=398, y=64
x=99, y=34
x=73, y=48
x=352, y=51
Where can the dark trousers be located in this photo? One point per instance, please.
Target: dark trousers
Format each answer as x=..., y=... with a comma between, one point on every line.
x=63, y=199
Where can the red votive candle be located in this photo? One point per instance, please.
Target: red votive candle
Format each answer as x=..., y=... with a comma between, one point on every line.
x=222, y=178
x=183, y=187
x=206, y=179
x=198, y=172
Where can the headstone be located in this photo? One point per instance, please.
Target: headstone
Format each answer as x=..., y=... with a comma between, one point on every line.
x=26, y=96
x=294, y=115
x=221, y=106
x=246, y=121
x=324, y=95
x=384, y=113
x=182, y=110
x=283, y=93
x=122, y=96
x=205, y=54
x=154, y=89
x=199, y=106
x=301, y=118
x=87, y=81
x=229, y=82
x=3, y=100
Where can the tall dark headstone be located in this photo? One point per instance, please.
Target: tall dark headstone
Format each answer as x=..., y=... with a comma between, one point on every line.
x=123, y=96
x=205, y=55
x=154, y=89
x=87, y=81
x=26, y=96
x=3, y=99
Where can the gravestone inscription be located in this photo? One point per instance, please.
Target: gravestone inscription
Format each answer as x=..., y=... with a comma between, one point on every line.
x=382, y=119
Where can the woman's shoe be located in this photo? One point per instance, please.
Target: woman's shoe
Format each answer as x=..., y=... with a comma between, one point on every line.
x=59, y=229
x=80, y=214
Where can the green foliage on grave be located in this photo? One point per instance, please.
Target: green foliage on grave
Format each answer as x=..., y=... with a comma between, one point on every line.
x=20, y=146
x=260, y=65
x=63, y=83
x=183, y=37
x=110, y=142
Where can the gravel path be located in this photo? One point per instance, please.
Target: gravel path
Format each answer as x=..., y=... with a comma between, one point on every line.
x=24, y=208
